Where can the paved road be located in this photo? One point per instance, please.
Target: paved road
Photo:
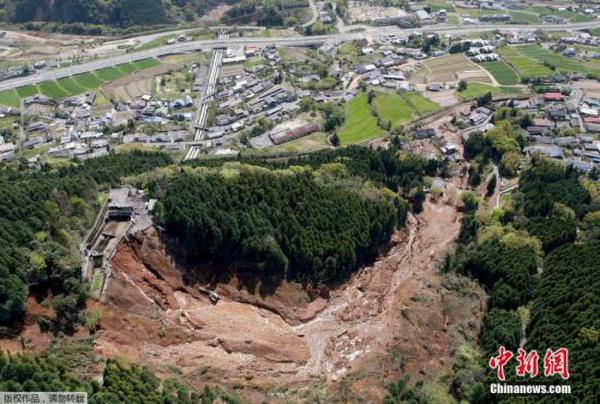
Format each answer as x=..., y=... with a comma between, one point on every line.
x=281, y=41
x=209, y=90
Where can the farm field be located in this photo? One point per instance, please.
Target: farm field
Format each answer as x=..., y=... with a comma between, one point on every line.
x=52, y=89
x=503, y=73
x=360, y=124
x=145, y=63
x=27, y=91
x=453, y=68
x=77, y=84
x=10, y=98
x=126, y=68
x=110, y=73
x=526, y=65
x=88, y=81
x=561, y=62
x=312, y=142
x=402, y=108
x=70, y=85
x=475, y=90
x=420, y=104
x=393, y=108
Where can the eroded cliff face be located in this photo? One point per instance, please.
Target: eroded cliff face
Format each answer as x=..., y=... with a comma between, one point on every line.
x=400, y=309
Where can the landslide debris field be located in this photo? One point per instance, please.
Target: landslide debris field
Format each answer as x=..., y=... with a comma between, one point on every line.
x=398, y=315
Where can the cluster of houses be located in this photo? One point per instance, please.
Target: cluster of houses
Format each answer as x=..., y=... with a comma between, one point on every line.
x=565, y=128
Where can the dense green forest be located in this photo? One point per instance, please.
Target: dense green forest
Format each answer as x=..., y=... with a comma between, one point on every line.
x=311, y=219
x=42, y=214
x=97, y=17
x=538, y=257
x=72, y=369
x=303, y=225
x=396, y=170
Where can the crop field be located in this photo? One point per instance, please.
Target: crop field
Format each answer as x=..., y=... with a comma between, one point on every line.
x=10, y=98
x=475, y=90
x=402, y=108
x=561, y=62
x=503, y=73
x=126, y=68
x=420, y=104
x=109, y=74
x=70, y=85
x=519, y=17
x=52, y=89
x=77, y=84
x=393, y=108
x=454, y=67
x=145, y=63
x=360, y=124
x=526, y=65
x=88, y=81
x=27, y=91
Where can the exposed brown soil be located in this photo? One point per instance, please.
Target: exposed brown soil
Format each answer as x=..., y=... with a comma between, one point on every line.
x=136, y=84
x=398, y=305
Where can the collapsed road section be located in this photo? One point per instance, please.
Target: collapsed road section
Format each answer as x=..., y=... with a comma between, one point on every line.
x=125, y=212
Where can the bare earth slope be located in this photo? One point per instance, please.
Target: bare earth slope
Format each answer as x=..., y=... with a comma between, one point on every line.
x=398, y=305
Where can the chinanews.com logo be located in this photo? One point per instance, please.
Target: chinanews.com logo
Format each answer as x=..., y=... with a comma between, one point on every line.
x=555, y=362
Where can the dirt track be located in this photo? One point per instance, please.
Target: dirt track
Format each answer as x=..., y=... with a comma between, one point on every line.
x=398, y=304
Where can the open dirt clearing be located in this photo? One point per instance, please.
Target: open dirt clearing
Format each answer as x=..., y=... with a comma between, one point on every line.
x=134, y=85
x=152, y=315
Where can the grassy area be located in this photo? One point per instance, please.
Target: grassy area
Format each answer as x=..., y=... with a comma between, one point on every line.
x=402, y=108
x=503, y=73
x=145, y=63
x=526, y=65
x=10, y=98
x=360, y=124
x=27, y=91
x=561, y=62
x=88, y=81
x=519, y=17
x=52, y=89
x=475, y=90
x=126, y=68
x=312, y=142
x=110, y=74
x=439, y=5
x=419, y=103
x=393, y=108
x=70, y=85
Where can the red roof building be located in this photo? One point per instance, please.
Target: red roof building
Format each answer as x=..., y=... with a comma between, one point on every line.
x=554, y=96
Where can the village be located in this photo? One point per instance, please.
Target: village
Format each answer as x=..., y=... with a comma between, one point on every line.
x=290, y=99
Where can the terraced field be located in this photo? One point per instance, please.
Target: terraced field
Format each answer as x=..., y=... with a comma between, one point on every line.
x=89, y=81
x=27, y=91
x=402, y=108
x=527, y=66
x=52, y=89
x=503, y=73
x=561, y=62
x=145, y=63
x=10, y=98
x=360, y=124
x=70, y=86
x=110, y=74
x=78, y=84
x=475, y=90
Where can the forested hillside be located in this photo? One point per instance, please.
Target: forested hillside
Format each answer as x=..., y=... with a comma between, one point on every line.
x=40, y=215
x=101, y=17
x=302, y=225
x=53, y=370
x=538, y=257
x=122, y=14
